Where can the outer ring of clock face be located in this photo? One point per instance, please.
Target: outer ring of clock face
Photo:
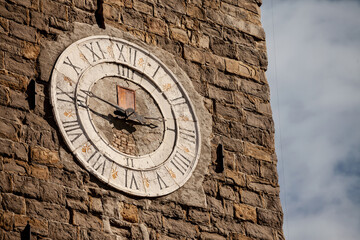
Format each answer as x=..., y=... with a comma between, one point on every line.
x=87, y=62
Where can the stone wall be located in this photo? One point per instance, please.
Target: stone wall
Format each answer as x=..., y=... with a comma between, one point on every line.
x=221, y=47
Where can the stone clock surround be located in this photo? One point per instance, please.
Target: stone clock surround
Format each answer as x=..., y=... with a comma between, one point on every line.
x=192, y=192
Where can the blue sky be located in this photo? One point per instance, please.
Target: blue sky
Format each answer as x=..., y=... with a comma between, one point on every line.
x=314, y=76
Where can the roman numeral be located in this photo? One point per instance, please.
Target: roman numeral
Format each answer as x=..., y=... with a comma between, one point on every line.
x=180, y=162
x=69, y=95
x=95, y=56
x=156, y=71
x=161, y=182
x=133, y=182
x=81, y=99
x=188, y=135
x=177, y=101
x=132, y=55
x=99, y=162
x=125, y=72
x=72, y=130
x=129, y=162
x=68, y=62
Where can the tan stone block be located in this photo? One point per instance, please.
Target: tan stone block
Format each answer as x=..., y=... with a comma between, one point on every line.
x=37, y=226
x=239, y=236
x=179, y=34
x=256, y=151
x=40, y=172
x=143, y=7
x=195, y=12
x=130, y=213
x=245, y=212
x=30, y=51
x=242, y=69
x=211, y=236
x=157, y=26
x=194, y=55
x=6, y=220
x=44, y=156
x=238, y=178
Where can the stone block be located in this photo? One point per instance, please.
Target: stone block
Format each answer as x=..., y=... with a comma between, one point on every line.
x=27, y=186
x=171, y=210
x=23, y=32
x=4, y=95
x=199, y=217
x=52, y=193
x=46, y=210
x=157, y=26
x=89, y=5
x=18, y=65
x=39, y=21
x=39, y=172
x=19, y=100
x=228, y=193
x=53, y=8
x=241, y=69
x=6, y=220
x=14, y=149
x=96, y=205
x=111, y=207
x=256, y=151
x=195, y=12
x=151, y=219
x=9, y=129
x=143, y=7
x=263, y=187
x=4, y=26
x=239, y=236
x=228, y=112
x=211, y=236
x=44, y=156
x=61, y=231
x=215, y=206
x=6, y=182
x=180, y=228
x=30, y=50
x=250, y=198
x=87, y=220
x=237, y=177
x=130, y=213
x=268, y=171
x=254, y=88
x=245, y=212
x=179, y=34
x=258, y=231
x=13, y=203
x=37, y=226
x=77, y=205
x=194, y=55
x=269, y=218
x=13, y=12
x=210, y=187
x=220, y=94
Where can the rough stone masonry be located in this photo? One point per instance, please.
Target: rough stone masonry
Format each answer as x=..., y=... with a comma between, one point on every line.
x=220, y=45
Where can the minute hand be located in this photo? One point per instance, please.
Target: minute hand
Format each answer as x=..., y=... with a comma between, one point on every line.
x=91, y=94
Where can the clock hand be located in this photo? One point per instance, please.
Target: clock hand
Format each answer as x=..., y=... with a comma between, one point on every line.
x=118, y=111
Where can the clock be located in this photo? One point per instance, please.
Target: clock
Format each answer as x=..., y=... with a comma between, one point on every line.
x=125, y=116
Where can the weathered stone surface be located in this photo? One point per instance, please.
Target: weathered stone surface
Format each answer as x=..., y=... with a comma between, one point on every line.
x=130, y=213
x=13, y=149
x=199, y=217
x=256, y=152
x=87, y=220
x=37, y=226
x=44, y=156
x=61, y=231
x=245, y=212
x=180, y=228
x=96, y=205
x=23, y=32
x=227, y=192
x=157, y=26
x=211, y=236
x=179, y=35
x=13, y=203
x=258, y=231
x=47, y=210
x=250, y=198
x=269, y=218
x=27, y=186
x=6, y=182
x=153, y=219
x=194, y=55
x=6, y=220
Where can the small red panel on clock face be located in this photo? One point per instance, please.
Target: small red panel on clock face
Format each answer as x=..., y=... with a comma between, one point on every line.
x=126, y=97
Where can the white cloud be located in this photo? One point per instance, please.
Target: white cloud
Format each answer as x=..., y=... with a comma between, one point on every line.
x=318, y=84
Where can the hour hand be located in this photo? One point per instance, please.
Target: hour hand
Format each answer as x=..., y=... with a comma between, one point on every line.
x=119, y=111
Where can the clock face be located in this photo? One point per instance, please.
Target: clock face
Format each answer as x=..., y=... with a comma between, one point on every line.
x=125, y=116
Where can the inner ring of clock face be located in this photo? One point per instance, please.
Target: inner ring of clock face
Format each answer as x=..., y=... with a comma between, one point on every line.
x=126, y=134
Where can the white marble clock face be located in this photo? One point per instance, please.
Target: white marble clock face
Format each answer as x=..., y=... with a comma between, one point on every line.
x=125, y=116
